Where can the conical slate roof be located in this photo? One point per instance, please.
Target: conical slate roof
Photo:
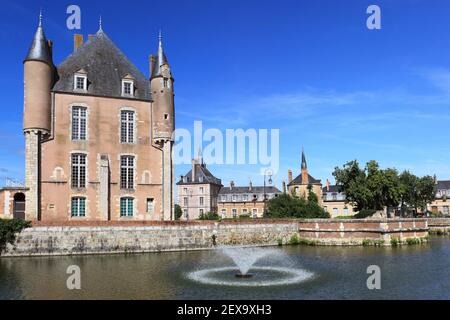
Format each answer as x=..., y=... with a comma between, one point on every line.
x=39, y=49
x=161, y=60
x=105, y=66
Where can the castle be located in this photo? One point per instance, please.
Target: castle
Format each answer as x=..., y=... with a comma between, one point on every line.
x=98, y=134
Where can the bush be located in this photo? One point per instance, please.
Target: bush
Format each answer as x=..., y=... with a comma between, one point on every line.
x=411, y=241
x=178, y=212
x=366, y=213
x=244, y=216
x=8, y=230
x=395, y=242
x=287, y=206
x=209, y=216
x=295, y=240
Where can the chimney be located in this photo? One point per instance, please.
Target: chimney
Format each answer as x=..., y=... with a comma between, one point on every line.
x=250, y=187
x=151, y=62
x=305, y=176
x=231, y=185
x=77, y=41
x=289, y=176
x=284, y=187
x=193, y=169
x=328, y=185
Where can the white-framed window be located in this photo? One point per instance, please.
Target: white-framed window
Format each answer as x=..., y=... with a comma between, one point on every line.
x=244, y=211
x=335, y=211
x=128, y=88
x=224, y=198
x=224, y=213
x=185, y=201
x=80, y=82
x=127, y=172
x=185, y=190
x=126, y=207
x=234, y=212
x=127, y=125
x=202, y=201
x=78, y=207
x=79, y=170
x=235, y=197
x=345, y=211
x=201, y=190
x=79, y=122
x=255, y=213
x=245, y=197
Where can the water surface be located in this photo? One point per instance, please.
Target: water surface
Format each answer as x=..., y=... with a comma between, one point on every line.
x=410, y=272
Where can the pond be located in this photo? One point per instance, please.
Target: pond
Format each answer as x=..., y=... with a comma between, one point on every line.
x=409, y=272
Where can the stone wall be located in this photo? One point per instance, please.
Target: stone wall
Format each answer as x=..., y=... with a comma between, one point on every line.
x=54, y=240
x=439, y=224
x=138, y=237
x=358, y=232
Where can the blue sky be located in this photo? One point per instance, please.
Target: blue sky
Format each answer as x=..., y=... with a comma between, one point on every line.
x=309, y=68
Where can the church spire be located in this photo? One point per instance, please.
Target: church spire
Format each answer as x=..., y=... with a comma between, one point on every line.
x=304, y=165
x=40, y=49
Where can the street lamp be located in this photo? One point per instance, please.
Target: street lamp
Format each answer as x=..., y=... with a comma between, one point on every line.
x=267, y=173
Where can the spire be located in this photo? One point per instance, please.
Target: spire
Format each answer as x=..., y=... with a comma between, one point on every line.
x=40, y=49
x=161, y=58
x=100, y=24
x=304, y=165
x=200, y=155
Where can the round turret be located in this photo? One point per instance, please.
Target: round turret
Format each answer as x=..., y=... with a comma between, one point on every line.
x=162, y=89
x=38, y=82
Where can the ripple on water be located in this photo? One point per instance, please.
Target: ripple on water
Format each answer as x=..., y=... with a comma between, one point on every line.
x=262, y=276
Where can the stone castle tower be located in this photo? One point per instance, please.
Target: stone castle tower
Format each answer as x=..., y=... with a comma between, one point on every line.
x=97, y=106
x=162, y=89
x=39, y=73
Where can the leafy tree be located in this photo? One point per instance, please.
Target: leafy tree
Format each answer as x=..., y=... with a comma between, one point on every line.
x=288, y=206
x=178, y=212
x=371, y=187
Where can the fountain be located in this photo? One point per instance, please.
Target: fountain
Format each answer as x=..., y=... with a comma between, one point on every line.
x=247, y=259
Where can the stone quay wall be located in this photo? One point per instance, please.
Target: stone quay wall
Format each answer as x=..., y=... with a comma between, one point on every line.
x=439, y=224
x=359, y=232
x=157, y=237
x=135, y=237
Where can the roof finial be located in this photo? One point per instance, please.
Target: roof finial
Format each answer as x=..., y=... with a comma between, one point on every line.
x=40, y=18
x=100, y=24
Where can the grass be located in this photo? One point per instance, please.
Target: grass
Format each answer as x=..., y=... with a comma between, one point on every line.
x=376, y=243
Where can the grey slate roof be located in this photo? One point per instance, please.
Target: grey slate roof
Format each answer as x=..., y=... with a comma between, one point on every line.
x=105, y=65
x=244, y=190
x=201, y=172
x=161, y=60
x=39, y=49
x=443, y=185
x=333, y=189
x=299, y=180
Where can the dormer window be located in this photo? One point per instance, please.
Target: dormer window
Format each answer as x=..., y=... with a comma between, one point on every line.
x=80, y=82
x=127, y=88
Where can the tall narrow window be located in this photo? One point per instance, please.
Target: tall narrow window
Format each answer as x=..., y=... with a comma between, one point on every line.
x=202, y=201
x=127, y=120
x=78, y=171
x=127, y=172
x=126, y=207
x=79, y=119
x=78, y=207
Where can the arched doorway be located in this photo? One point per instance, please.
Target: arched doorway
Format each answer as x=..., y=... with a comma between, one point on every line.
x=19, y=206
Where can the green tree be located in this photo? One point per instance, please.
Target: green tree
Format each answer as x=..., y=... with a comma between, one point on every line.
x=178, y=212
x=371, y=187
x=288, y=206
